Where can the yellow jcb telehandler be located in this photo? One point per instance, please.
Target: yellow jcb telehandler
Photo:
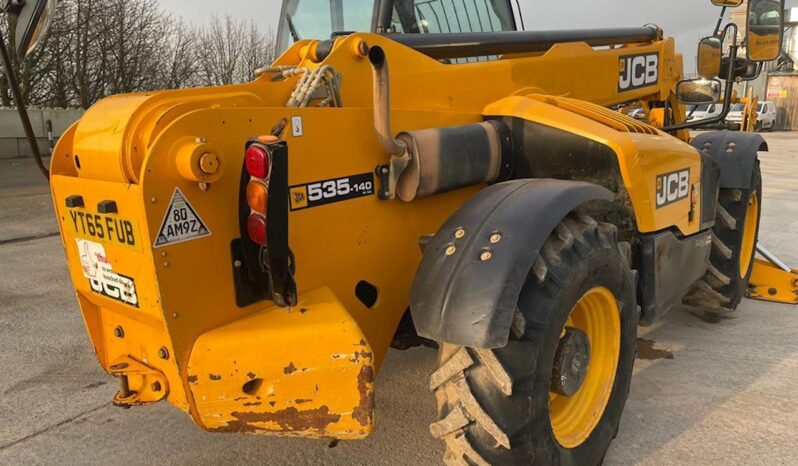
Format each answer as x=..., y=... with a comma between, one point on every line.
x=250, y=252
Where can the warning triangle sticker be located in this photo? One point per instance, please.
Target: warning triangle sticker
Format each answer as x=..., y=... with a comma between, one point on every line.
x=181, y=223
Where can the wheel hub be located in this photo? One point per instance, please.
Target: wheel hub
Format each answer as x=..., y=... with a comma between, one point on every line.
x=570, y=362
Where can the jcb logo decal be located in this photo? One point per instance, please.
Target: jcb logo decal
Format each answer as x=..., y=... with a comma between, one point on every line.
x=672, y=187
x=299, y=197
x=638, y=71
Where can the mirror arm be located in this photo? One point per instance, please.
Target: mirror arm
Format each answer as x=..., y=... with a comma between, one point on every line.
x=759, y=67
x=727, y=95
x=23, y=112
x=720, y=21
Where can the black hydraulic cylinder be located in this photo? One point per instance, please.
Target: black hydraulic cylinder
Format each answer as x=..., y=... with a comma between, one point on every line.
x=474, y=44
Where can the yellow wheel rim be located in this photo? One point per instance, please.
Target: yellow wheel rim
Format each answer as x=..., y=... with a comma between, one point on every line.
x=749, y=234
x=573, y=418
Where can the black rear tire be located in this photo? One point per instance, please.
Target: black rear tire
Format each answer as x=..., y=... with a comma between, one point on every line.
x=493, y=404
x=725, y=283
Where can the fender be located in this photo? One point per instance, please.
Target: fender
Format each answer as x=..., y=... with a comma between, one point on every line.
x=734, y=152
x=466, y=288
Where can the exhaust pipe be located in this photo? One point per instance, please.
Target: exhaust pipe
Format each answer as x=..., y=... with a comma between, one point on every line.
x=430, y=161
x=382, y=103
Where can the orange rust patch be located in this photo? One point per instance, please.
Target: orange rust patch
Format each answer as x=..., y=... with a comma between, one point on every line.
x=289, y=420
x=363, y=412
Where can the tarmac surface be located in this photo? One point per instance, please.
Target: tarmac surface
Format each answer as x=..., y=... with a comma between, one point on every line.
x=702, y=393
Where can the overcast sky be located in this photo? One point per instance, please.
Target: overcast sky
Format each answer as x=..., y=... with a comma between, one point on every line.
x=686, y=20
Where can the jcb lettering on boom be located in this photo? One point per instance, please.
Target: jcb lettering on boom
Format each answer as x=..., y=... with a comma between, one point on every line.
x=638, y=71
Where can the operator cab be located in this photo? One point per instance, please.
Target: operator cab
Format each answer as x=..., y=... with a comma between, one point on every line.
x=321, y=20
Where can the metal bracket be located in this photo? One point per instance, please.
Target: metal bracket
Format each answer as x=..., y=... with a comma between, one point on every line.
x=772, y=279
x=389, y=175
x=140, y=384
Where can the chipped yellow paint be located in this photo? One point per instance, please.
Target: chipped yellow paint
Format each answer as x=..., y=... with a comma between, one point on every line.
x=308, y=370
x=128, y=149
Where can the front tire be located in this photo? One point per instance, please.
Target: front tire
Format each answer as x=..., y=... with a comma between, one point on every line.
x=499, y=406
x=734, y=238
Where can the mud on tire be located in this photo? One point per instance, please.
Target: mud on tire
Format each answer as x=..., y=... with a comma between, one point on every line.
x=724, y=285
x=493, y=404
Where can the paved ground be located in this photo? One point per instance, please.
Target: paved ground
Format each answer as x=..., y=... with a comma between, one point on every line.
x=702, y=394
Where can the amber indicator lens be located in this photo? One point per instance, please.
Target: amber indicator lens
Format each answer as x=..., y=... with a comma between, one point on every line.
x=257, y=196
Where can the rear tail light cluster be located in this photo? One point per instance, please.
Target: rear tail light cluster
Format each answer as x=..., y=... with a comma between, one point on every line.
x=258, y=161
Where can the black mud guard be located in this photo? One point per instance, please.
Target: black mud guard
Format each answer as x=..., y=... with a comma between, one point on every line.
x=466, y=289
x=735, y=153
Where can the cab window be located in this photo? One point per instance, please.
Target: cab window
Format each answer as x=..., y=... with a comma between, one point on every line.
x=321, y=19
x=447, y=16
x=315, y=19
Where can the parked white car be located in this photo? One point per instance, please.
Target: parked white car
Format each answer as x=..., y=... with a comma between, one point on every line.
x=638, y=114
x=766, y=116
x=703, y=111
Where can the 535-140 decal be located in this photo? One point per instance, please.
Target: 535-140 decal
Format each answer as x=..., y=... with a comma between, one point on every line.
x=319, y=193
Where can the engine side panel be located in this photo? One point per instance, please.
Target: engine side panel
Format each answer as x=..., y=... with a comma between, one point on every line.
x=661, y=174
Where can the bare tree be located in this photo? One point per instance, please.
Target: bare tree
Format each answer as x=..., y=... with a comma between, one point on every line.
x=257, y=50
x=178, y=64
x=96, y=48
x=230, y=50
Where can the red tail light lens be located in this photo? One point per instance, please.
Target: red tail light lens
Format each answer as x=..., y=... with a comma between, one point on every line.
x=256, y=227
x=258, y=161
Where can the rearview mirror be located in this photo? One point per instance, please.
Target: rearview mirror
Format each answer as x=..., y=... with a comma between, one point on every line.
x=744, y=69
x=728, y=3
x=698, y=91
x=33, y=21
x=765, y=29
x=709, y=55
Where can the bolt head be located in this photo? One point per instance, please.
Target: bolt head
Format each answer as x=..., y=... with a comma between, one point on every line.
x=485, y=255
x=163, y=353
x=495, y=238
x=166, y=264
x=450, y=250
x=156, y=386
x=119, y=332
x=361, y=48
x=209, y=163
x=175, y=315
x=459, y=233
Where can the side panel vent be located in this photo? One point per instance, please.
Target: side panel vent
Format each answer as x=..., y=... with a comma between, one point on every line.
x=599, y=114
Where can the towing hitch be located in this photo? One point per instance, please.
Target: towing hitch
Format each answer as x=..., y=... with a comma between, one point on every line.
x=139, y=384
